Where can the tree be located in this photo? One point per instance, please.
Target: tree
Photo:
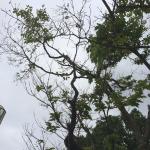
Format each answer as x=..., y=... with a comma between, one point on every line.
x=111, y=134
x=118, y=37
x=122, y=34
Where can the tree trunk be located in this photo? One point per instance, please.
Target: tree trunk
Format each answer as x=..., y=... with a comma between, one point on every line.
x=142, y=145
x=71, y=143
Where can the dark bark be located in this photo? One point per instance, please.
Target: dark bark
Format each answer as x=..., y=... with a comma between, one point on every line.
x=142, y=59
x=70, y=141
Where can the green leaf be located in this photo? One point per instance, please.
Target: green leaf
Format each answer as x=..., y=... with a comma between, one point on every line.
x=39, y=87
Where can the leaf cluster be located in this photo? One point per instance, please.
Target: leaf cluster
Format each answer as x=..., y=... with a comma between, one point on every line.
x=35, y=27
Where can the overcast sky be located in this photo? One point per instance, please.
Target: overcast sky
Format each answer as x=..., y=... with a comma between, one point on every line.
x=19, y=105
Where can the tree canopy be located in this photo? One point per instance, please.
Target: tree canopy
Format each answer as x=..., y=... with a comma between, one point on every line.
x=57, y=56
x=111, y=133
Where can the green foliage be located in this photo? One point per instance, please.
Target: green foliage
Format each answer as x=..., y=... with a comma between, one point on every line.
x=34, y=27
x=84, y=109
x=51, y=128
x=110, y=133
x=137, y=6
x=54, y=116
x=115, y=37
x=39, y=88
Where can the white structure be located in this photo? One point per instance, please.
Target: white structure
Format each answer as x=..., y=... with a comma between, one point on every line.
x=2, y=113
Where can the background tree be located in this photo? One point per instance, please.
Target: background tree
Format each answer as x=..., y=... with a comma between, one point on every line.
x=111, y=134
x=122, y=34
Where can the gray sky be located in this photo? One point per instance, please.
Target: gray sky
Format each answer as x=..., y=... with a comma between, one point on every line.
x=19, y=105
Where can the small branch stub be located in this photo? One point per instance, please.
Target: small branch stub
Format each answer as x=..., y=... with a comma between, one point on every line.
x=2, y=113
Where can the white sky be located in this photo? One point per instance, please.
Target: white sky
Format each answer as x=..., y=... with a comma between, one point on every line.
x=19, y=105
